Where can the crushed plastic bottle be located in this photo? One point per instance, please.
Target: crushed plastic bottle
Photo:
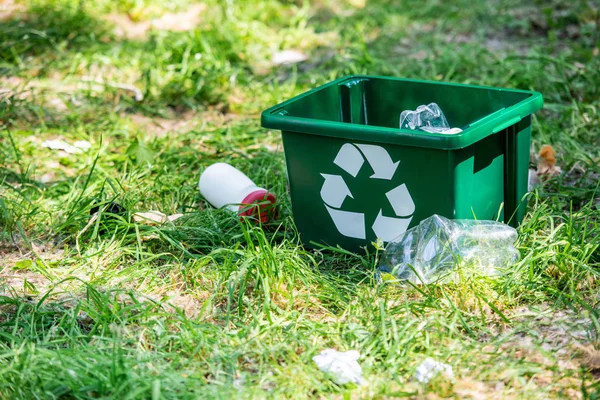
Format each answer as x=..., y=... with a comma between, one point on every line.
x=428, y=118
x=430, y=368
x=342, y=366
x=431, y=250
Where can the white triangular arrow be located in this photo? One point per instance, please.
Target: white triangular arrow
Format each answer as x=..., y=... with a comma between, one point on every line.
x=334, y=190
x=388, y=229
x=380, y=160
x=401, y=201
x=348, y=223
x=349, y=159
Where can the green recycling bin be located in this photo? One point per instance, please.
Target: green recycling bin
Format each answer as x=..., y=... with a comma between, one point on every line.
x=355, y=176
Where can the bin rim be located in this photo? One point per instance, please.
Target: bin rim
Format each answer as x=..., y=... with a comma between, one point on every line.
x=476, y=131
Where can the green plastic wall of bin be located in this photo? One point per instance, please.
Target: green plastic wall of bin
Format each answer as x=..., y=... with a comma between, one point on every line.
x=355, y=177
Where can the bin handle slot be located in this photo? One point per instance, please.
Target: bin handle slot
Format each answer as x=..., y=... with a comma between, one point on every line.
x=487, y=118
x=280, y=111
x=506, y=124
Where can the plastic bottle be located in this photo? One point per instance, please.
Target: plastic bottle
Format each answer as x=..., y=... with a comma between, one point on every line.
x=225, y=186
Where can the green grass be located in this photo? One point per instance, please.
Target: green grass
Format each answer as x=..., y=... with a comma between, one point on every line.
x=209, y=306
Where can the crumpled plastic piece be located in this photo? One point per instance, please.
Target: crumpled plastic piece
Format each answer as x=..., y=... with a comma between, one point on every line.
x=428, y=118
x=343, y=367
x=76, y=148
x=430, y=251
x=430, y=368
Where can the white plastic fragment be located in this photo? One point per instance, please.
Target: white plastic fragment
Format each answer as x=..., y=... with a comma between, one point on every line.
x=430, y=368
x=533, y=180
x=286, y=57
x=342, y=366
x=76, y=148
x=83, y=145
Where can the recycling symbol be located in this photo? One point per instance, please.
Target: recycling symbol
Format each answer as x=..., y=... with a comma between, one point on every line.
x=351, y=158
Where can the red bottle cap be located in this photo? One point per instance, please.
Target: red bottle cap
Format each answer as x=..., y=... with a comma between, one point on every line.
x=259, y=204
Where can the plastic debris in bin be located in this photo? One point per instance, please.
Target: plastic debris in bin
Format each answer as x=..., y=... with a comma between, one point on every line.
x=355, y=176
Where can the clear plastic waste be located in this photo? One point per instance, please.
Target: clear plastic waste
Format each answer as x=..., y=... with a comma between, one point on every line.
x=342, y=366
x=429, y=118
x=430, y=251
x=430, y=368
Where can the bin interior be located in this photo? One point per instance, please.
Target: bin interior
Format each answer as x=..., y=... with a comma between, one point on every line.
x=379, y=101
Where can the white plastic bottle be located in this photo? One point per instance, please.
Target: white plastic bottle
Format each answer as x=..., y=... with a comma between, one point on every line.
x=223, y=185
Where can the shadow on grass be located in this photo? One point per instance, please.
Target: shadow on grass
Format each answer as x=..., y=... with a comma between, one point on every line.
x=47, y=38
x=47, y=31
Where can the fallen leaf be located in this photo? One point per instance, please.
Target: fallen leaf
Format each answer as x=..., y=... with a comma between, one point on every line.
x=57, y=103
x=174, y=217
x=147, y=238
x=155, y=217
x=286, y=57
x=548, y=154
x=547, y=162
x=150, y=217
x=419, y=55
x=471, y=389
x=591, y=357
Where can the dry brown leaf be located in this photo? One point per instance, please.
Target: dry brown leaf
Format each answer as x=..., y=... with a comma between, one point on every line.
x=547, y=153
x=471, y=389
x=591, y=357
x=155, y=217
x=150, y=217
x=160, y=127
x=174, y=217
x=419, y=55
x=147, y=238
x=547, y=162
